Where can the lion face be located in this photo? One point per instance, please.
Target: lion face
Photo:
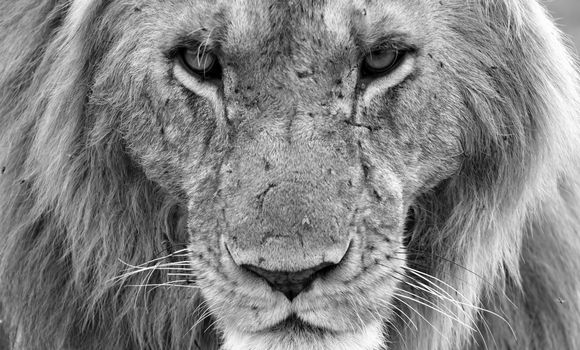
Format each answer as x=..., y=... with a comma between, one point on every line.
x=298, y=137
x=345, y=175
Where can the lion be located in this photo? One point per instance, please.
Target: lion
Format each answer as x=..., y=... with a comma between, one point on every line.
x=282, y=175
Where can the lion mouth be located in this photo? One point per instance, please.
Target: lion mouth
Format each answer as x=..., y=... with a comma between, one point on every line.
x=293, y=324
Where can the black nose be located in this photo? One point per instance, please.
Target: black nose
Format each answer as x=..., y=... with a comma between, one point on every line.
x=291, y=283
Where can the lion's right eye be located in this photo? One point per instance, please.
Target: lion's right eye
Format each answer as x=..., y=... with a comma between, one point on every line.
x=204, y=65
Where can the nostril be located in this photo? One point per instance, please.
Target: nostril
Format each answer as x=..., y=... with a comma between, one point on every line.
x=291, y=283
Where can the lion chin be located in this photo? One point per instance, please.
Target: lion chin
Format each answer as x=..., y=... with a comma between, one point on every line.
x=291, y=338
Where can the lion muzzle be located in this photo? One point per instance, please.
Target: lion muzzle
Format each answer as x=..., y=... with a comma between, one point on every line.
x=293, y=237
x=289, y=216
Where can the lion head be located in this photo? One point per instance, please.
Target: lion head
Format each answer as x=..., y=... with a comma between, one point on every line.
x=288, y=175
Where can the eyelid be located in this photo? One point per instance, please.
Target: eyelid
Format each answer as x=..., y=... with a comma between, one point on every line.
x=396, y=41
x=396, y=46
x=189, y=43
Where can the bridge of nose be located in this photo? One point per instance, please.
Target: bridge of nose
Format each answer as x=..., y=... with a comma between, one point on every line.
x=289, y=186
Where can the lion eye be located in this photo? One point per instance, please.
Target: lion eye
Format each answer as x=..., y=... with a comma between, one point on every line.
x=203, y=64
x=381, y=62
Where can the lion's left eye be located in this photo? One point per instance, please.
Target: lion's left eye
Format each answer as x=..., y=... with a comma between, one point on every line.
x=205, y=65
x=381, y=62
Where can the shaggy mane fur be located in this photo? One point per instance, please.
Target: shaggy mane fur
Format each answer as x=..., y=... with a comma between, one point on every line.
x=503, y=234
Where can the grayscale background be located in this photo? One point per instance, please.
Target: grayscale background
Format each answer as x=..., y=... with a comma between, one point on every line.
x=567, y=16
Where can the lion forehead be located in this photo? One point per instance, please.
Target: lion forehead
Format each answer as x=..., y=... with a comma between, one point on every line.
x=249, y=25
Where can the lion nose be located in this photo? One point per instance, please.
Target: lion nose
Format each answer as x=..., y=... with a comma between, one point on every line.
x=291, y=283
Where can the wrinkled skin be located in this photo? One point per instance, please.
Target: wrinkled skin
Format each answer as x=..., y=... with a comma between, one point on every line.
x=294, y=159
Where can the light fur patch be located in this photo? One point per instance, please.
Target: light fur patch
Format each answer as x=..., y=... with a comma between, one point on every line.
x=78, y=13
x=370, y=338
x=247, y=19
x=379, y=86
x=336, y=14
x=203, y=89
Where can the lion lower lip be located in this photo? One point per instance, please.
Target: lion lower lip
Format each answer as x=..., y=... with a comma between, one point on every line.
x=294, y=324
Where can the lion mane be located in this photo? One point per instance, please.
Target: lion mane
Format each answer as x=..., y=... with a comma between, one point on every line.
x=501, y=237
